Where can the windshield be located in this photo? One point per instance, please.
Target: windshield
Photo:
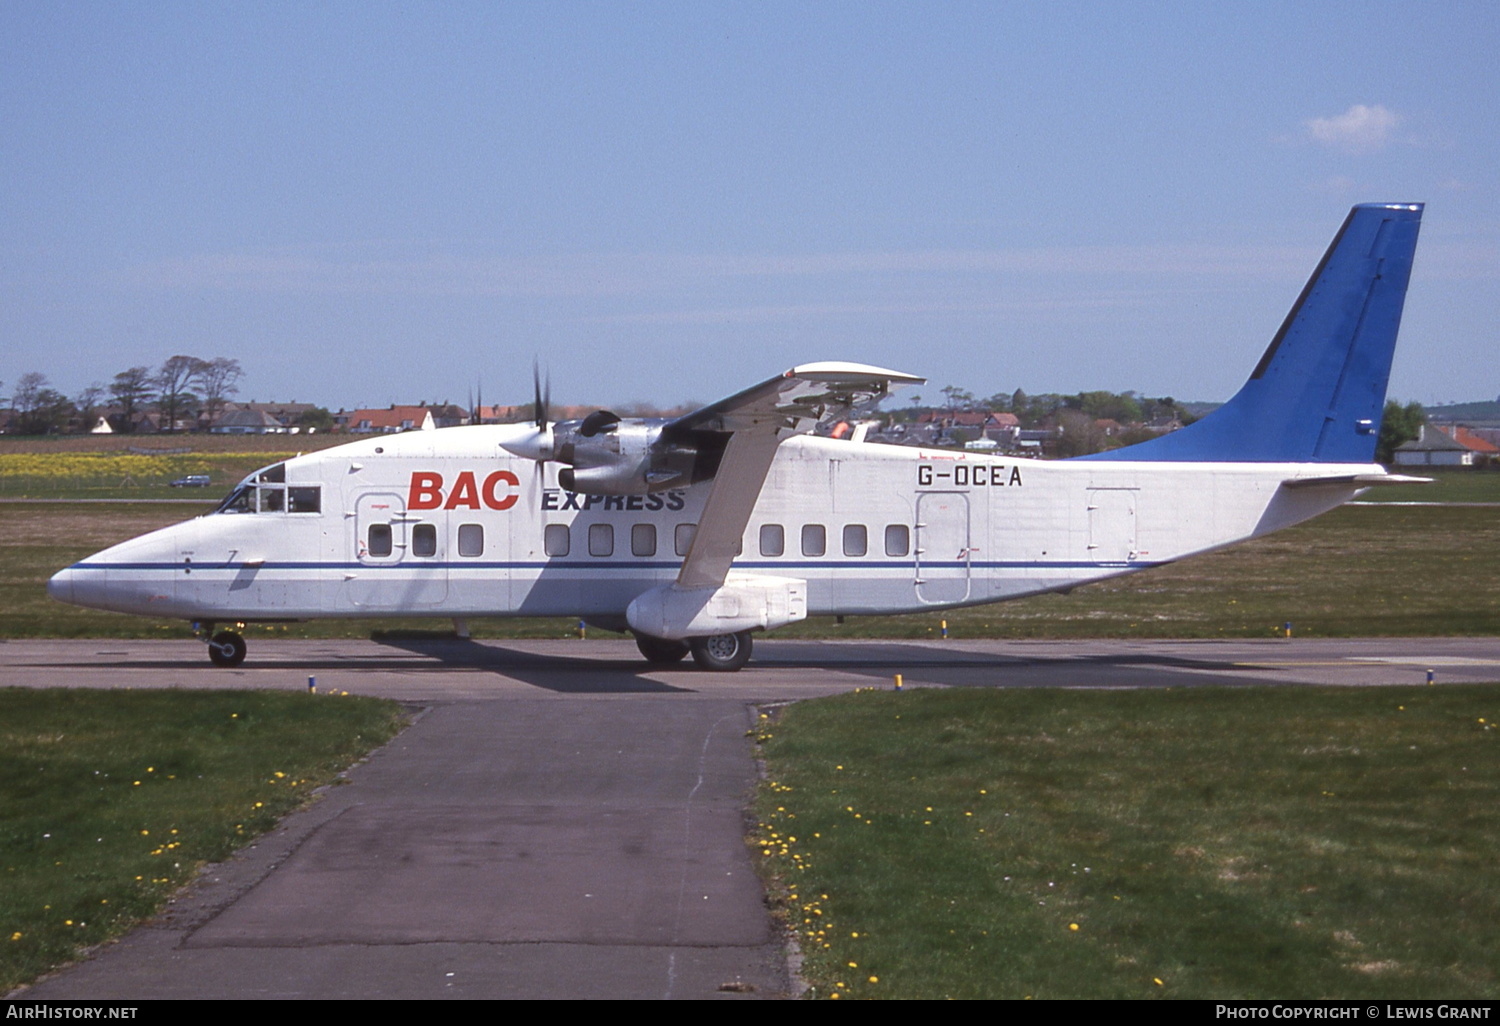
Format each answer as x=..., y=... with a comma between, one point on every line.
x=266, y=491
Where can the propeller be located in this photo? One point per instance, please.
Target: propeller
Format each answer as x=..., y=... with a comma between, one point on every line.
x=539, y=443
x=542, y=404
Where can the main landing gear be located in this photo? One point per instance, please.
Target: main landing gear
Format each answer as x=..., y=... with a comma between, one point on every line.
x=661, y=651
x=225, y=648
x=721, y=652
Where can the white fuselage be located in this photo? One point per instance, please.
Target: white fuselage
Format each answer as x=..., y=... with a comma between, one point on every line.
x=447, y=523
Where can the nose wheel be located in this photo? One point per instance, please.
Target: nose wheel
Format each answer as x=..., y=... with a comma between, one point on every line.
x=226, y=648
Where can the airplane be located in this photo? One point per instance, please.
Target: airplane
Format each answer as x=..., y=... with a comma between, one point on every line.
x=697, y=532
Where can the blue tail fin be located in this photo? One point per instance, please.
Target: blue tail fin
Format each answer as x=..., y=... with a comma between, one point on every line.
x=1318, y=392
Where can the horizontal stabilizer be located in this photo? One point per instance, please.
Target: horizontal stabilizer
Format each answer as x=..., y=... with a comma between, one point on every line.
x=1362, y=480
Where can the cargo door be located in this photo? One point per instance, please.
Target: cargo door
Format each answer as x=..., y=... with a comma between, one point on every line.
x=942, y=548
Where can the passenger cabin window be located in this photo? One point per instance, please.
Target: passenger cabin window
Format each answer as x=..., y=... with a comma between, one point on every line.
x=772, y=540
x=557, y=540
x=379, y=540
x=424, y=540
x=856, y=540
x=682, y=538
x=897, y=540
x=643, y=540
x=814, y=539
x=304, y=499
x=470, y=540
x=601, y=539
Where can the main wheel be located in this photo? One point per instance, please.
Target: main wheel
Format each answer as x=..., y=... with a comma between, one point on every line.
x=226, y=649
x=722, y=652
x=661, y=650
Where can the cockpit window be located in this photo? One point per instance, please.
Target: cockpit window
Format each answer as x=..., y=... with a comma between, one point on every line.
x=241, y=500
x=304, y=499
x=266, y=491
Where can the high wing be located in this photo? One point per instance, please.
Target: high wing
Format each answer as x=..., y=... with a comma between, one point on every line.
x=757, y=420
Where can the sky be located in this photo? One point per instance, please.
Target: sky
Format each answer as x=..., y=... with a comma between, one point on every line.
x=367, y=203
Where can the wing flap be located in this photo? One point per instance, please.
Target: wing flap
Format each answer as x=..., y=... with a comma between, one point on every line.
x=797, y=399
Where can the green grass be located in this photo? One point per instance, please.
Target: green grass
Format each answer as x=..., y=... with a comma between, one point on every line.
x=1359, y=571
x=113, y=799
x=1206, y=843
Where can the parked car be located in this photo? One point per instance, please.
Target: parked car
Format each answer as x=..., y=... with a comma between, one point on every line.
x=192, y=481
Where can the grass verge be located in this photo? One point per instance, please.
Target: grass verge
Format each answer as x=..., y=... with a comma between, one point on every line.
x=1199, y=843
x=113, y=799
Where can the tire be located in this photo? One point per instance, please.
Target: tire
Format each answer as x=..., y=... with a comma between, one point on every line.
x=723, y=653
x=661, y=651
x=226, y=649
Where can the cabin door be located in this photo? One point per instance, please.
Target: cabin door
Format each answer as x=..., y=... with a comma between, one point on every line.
x=1112, y=536
x=397, y=563
x=942, y=549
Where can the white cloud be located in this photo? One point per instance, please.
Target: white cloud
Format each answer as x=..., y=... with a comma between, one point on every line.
x=1360, y=129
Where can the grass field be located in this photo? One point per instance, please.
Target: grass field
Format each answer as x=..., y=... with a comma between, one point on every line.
x=1197, y=843
x=113, y=799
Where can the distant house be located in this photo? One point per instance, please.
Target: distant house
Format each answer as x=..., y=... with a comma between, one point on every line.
x=1479, y=442
x=1433, y=448
x=1001, y=428
x=448, y=415
x=248, y=422
x=386, y=422
x=494, y=414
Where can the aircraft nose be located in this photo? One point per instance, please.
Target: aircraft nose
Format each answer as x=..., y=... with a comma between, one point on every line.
x=60, y=586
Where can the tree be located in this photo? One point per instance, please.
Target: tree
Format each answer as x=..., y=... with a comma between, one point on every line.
x=172, y=383
x=1078, y=435
x=316, y=419
x=217, y=380
x=39, y=410
x=88, y=403
x=1398, y=424
x=958, y=398
x=132, y=390
x=28, y=390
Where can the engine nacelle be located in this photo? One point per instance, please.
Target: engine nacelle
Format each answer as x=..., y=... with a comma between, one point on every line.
x=624, y=457
x=607, y=455
x=743, y=602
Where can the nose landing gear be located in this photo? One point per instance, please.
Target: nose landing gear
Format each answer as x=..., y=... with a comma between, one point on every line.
x=226, y=648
